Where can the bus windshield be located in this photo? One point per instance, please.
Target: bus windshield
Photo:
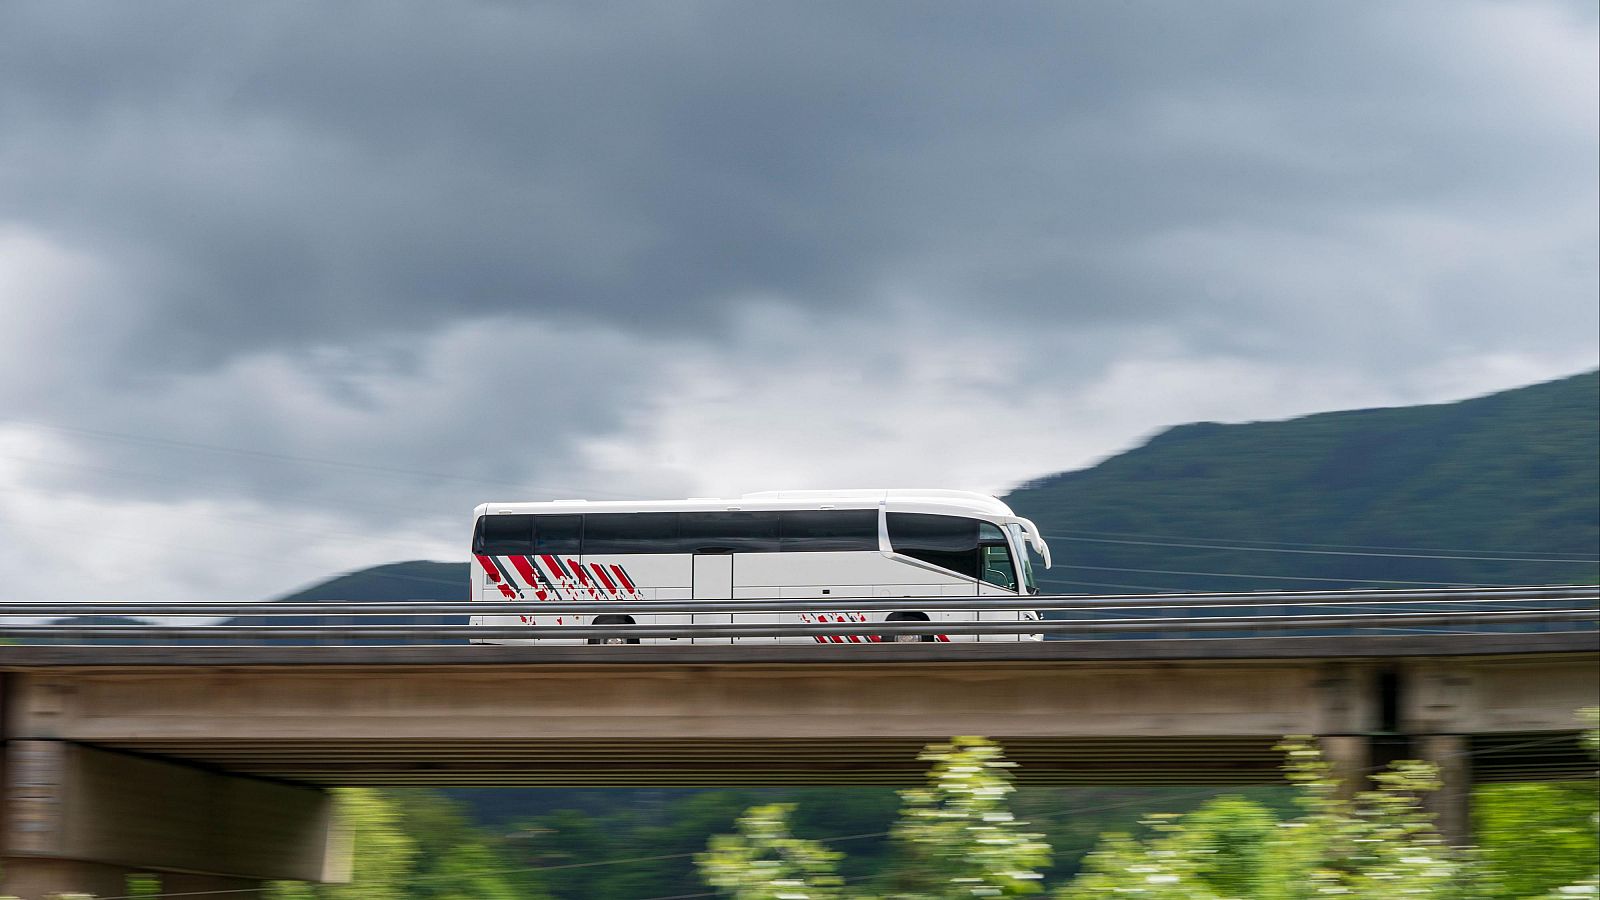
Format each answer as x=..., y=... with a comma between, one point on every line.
x=1019, y=537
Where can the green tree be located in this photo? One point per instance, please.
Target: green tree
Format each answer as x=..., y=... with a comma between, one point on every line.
x=381, y=850
x=413, y=845
x=763, y=861
x=454, y=860
x=956, y=838
x=1540, y=835
x=468, y=871
x=1378, y=846
x=1588, y=887
x=1232, y=839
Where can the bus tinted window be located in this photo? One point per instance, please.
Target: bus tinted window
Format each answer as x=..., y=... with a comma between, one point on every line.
x=503, y=536
x=828, y=529
x=558, y=534
x=742, y=532
x=630, y=533
x=949, y=542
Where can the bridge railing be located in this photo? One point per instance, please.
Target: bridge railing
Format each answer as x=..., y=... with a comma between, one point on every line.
x=1107, y=616
x=1037, y=602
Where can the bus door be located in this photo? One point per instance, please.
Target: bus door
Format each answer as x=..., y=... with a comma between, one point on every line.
x=713, y=580
x=997, y=574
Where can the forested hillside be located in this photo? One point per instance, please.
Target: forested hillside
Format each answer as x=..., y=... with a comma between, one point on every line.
x=395, y=582
x=1503, y=489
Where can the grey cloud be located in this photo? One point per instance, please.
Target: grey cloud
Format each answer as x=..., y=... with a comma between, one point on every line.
x=382, y=431
x=464, y=240
x=270, y=175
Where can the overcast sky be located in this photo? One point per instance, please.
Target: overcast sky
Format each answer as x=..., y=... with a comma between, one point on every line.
x=287, y=288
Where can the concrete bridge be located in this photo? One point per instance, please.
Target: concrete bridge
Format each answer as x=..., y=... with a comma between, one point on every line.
x=209, y=765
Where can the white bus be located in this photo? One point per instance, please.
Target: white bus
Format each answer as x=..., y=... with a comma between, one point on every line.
x=821, y=545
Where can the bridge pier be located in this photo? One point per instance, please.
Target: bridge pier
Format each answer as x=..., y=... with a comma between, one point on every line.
x=81, y=819
x=1350, y=756
x=1451, y=804
x=1356, y=758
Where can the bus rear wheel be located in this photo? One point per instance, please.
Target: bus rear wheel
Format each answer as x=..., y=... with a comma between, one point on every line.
x=906, y=638
x=613, y=620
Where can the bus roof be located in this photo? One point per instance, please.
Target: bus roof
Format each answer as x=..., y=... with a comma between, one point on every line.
x=899, y=499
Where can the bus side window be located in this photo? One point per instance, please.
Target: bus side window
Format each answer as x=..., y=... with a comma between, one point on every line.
x=949, y=542
x=739, y=531
x=503, y=536
x=558, y=534
x=651, y=532
x=828, y=529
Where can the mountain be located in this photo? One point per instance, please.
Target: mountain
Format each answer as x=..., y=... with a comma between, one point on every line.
x=104, y=621
x=1502, y=489
x=393, y=583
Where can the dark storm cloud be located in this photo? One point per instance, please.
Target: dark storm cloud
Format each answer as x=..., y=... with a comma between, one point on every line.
x=272, y=174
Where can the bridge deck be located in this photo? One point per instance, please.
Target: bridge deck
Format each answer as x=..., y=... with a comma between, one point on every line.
x=1111, y=712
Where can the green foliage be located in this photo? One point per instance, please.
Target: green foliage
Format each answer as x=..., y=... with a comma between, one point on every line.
x=763, y=861
x=412, y=846
x=1073, y=819
x=1545, y=836
x=957, y=840
x=1542, y=836
x=1379, y=846
x=468, y=871
x=957, y=836
x=1231, y=844
x=383, y=853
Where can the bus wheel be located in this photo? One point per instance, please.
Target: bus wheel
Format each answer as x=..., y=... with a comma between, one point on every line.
x=907, y=638
x=613, y=620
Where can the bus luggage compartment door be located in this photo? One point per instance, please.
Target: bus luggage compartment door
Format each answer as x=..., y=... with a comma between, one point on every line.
x=713, y=580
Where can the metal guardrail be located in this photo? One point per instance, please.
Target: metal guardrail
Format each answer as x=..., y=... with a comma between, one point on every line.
x=581, y=632
x=1037, y=602
x=1267, y=613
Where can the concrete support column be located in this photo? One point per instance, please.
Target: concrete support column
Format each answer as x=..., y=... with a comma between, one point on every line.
x=77, y=818
x=1350, y=755
x=1451, y=804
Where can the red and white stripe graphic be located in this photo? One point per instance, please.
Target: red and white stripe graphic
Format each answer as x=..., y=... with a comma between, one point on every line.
x=530, y=576
x=549, y=577
x=498, y=577
x=823, y=619
x=605, y=580
x=626, y=582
